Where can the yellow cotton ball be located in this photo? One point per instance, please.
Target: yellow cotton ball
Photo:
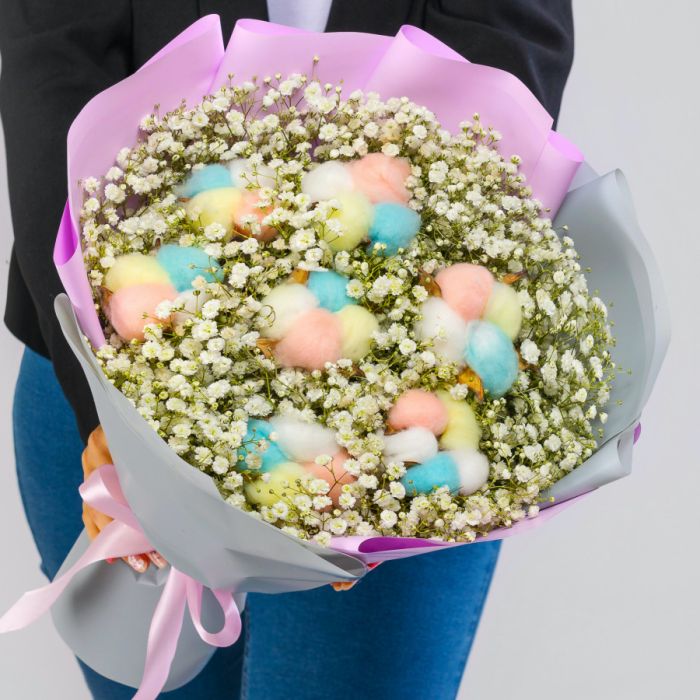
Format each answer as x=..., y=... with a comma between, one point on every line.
x=215, y=206
x=354, y=214
x=357, y=325
x=281, y=484
x=132, y=269
x=503, y=309
x=463, y=429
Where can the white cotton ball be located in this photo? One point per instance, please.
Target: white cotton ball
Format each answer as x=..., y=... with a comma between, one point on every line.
x=191, y=303
x=444, y=327
x=285, y=304
x=327, y=181
x=416, y=444
x=246, y=176
x=473, y=469
x=303, y=441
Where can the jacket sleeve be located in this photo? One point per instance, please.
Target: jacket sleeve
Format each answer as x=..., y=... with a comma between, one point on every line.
x=55, y=56
x=532, y=39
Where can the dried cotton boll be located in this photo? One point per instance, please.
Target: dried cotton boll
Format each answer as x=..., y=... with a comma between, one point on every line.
x=215, y=206
x=312, y=340
x=462, y=471
x=281, y=485
x=131, y=308
x=191, y=302
x=134, y=268
x=393, y=225
x=357, y=326
x=466, y=288
x=245, y=175
x=333, y=473
x=285, y=304
x=303, y=441
x=418, y=408
x=503, y=309
x=410, y=445
x=271, y=457
x=446, y=329
x=330, y=288
x=210, y=177
x=463, y=429
x=327, y=181
x=355, y=216
x=381, y=178
x=490, y=353
x=184, y=263
x=249, y=207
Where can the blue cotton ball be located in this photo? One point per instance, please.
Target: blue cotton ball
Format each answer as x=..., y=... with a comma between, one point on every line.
x=393, y=225
x=330, y=289
x=209, y=177
x=271, y=457
x=440, y=470
x=490, y=353
x=184, y=263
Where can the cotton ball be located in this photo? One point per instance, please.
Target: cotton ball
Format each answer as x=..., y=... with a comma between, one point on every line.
x=355, y=216
x=215, y=206
x=393, y=225
x=312, y=340
x=131, y=308
x=184, y=263
x=334, y=473
x=473, y=470
x=446, y=329
x=357, y=326
x=490, y=353
x=280, y=485
x=249, y=207
x=381, y=178
x=440, y=470
x=466, y=288
x=245, y=175
x=134, y=268
x=503, y=309
x=326, y=181
x=303, y=441
x=330, y=288
x=463, y=429
x=191, y=302
x=286, y=304
x=210, y=177
x=271, y=457
x=410, y=445
x=418, y=408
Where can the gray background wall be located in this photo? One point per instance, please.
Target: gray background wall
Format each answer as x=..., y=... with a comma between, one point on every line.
x=603, y=602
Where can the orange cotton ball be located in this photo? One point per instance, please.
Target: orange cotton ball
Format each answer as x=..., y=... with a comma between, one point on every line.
x=314, y=339
x=249, y=207
x=334, y=473
x=130, y=308
x=381, y=178
x=466, y=288
x=418, y=408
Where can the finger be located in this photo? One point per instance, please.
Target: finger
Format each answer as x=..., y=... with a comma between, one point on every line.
x=157, y=559
x=90, y=527
x=138, y=562
x=100, y=520
x=343, y=585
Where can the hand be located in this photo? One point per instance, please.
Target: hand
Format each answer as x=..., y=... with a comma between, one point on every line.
x=95, y=454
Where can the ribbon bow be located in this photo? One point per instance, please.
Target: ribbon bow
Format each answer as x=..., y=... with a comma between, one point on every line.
x=121, y=538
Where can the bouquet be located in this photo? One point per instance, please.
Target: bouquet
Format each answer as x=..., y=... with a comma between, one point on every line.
x=335, y=306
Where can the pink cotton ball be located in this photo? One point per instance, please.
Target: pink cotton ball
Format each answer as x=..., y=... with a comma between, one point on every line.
x=247, y=208
x=418, y=408
x=314, y=339
x=131, y=308
x=381, y=178
x=466, y=288
x=334, y=473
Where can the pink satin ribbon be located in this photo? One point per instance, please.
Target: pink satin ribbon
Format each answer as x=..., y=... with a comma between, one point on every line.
x=121, y=538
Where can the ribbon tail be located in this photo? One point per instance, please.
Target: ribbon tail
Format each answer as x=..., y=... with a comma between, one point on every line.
x=231, y=629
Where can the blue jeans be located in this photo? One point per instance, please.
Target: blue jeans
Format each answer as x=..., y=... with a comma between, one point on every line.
x=405, y=631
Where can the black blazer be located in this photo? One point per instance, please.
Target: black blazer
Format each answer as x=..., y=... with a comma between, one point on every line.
x=56, y=55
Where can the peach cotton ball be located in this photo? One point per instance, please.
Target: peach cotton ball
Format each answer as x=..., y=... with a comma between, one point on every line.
x=418, y=408
x=131, y=308
x=312, y=340
x=381, y=178
x=283, y=306
x=135, y=268
x=354, y=216
x=357, y=327
x=334, y=473
x=248, y=208
x=327, y=181
x=215, y=206
x=442, y=326
x=466, y=288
